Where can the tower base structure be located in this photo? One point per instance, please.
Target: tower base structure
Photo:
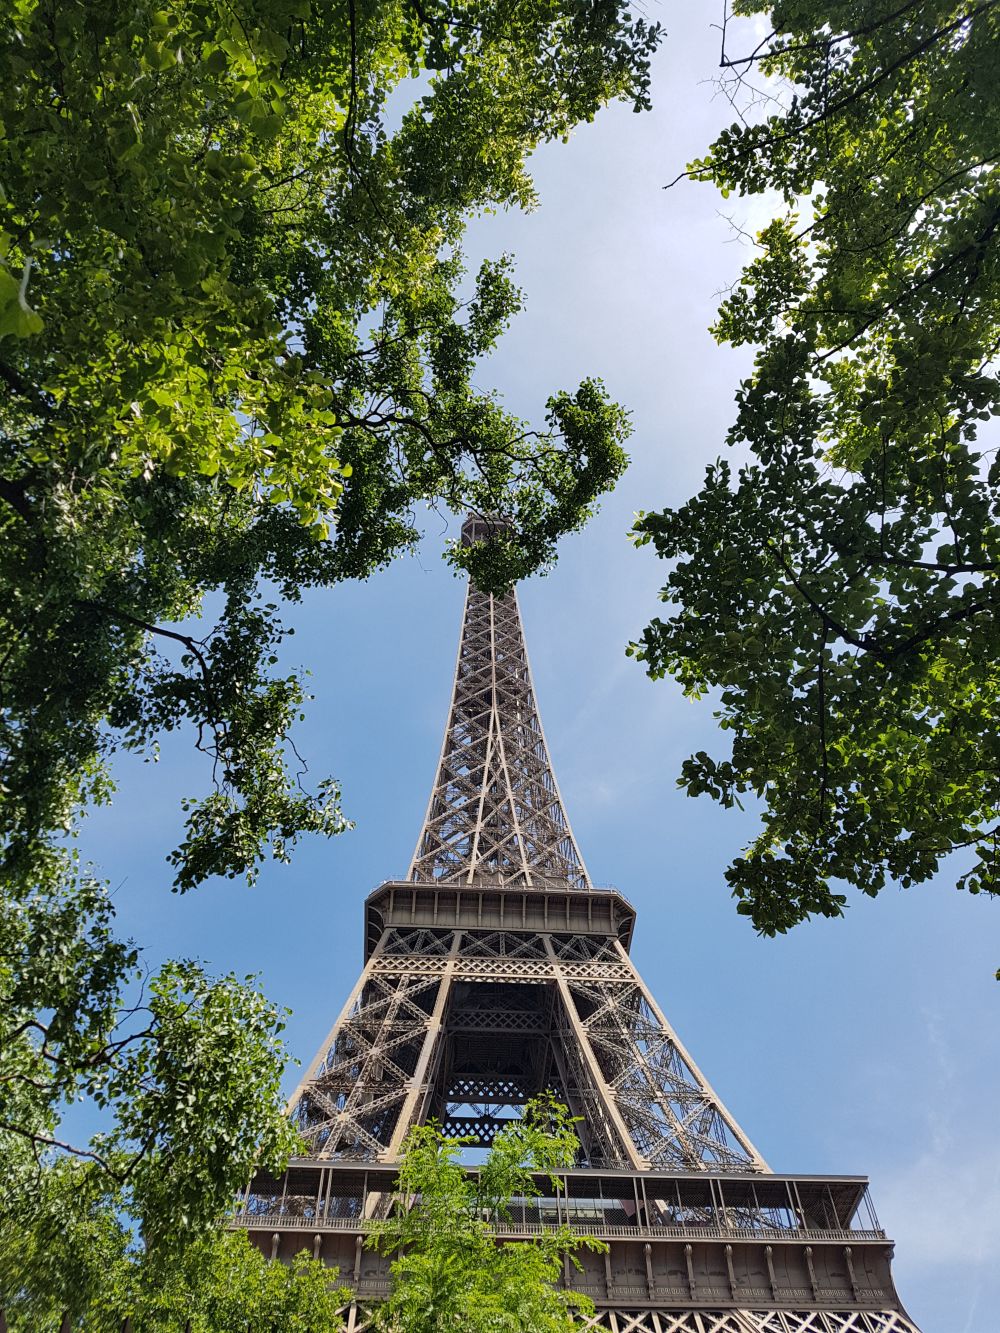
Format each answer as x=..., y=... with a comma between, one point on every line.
x=475, y=998
x=687, y=1253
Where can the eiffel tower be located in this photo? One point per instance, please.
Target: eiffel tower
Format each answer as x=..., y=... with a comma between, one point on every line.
x=496, y=971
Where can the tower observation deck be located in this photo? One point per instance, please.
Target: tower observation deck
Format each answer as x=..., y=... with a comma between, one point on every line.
x=496, y=972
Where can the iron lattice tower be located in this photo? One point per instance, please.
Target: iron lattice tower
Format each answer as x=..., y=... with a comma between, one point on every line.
x=496, y=972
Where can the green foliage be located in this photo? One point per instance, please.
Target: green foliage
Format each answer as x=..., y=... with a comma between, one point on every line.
x=840, y=592
x=184, y=1069
x=57, y=1250
x=237, y=349
x=237, y=353
x=220, y=1282
x=450, y=1273
x=223, y=1285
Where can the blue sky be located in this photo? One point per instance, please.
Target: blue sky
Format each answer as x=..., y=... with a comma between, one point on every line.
x=863, y=1046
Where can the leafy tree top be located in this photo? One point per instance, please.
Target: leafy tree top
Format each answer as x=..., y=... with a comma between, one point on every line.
x=218, y=1283
x=839, y=590
x=238, y=347
x=449, y=1271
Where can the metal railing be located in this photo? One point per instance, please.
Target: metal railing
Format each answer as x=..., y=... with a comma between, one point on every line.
x=286, y=1221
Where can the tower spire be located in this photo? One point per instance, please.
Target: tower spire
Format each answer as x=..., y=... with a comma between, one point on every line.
x=495, y=812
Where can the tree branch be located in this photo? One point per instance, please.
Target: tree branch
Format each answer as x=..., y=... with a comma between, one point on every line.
x=192, y=645
x=46, y=1141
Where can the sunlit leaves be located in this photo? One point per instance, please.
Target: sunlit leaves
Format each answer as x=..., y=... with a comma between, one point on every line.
x=238, y=355
x=216, y=1283
x=237, y=342
x=449, y=1271
x=185, y=1067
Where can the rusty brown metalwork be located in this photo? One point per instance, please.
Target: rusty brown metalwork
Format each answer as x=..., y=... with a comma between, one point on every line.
x=497, y=972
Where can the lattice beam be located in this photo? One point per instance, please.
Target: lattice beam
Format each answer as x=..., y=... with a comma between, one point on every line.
x=558, y=1013
x=748, y=1321
x=358, y=1320
x=495, y=808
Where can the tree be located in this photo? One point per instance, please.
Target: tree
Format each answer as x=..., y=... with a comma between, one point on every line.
x=237, y=352
x=237, y=347
x=840, y=590
x=184, y=1070
x=55, y=1256
x=218, y=1284
x=450, y=1273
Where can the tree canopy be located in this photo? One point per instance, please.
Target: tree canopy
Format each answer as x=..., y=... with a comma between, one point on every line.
x=238, y=348
x=183, y=1071
x=450, y=1272
x=837, y=592
x=218, y=1284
